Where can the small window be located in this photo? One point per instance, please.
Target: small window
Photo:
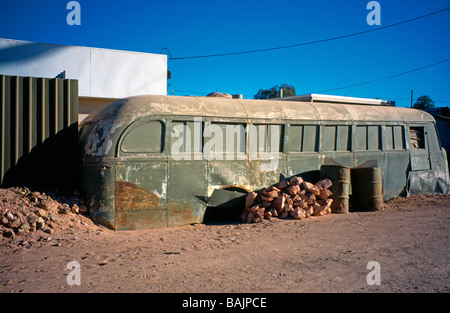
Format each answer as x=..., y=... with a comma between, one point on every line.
x=368, y=138
x=329, y=138
x=295, y=138
x=394, y=138
x=186, y=137
x=361, y=137
x=224, y=137
x=417, y=136
x=373, y=138
x=336, y=138
x=303, y=138
x=343, y=138
x=145, y=138
x=266, y=138
x=310, y=138
x=399, y=138
x=389, y=138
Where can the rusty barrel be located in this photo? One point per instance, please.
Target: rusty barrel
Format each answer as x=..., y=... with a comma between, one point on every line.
x=340, y=177
x=367, y=189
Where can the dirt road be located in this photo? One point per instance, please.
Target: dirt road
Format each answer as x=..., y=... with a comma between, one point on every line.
x=409, y=240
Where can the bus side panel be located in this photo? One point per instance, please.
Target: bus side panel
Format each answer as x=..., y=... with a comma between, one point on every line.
x=141, y=187
x=97, y=179
x=187, y=187
x=433, y=180
x=395, y=174
x=305, y=165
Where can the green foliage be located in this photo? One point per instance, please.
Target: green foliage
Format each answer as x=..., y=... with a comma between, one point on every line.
x=424, y=102
x=288, y=90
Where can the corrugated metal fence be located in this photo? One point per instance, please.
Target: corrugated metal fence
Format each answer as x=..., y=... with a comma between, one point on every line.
x=38, y=132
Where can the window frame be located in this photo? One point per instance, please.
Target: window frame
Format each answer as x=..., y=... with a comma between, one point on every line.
x=129, y=130
x=424, y=134
x=302, y=136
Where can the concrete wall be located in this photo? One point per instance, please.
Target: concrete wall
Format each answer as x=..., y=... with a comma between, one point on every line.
x=101, y=73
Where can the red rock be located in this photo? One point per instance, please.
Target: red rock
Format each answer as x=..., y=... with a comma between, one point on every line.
x=311, y=188
x=295, y=180
x=250, y=199
x=278, y=203
x=324, y=183
x=293, y=190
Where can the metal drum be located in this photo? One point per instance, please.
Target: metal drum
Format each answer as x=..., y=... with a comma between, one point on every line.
x=340, y=177
x=367, y=189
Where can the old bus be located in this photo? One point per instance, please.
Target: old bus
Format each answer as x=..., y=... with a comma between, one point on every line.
x=154, y=161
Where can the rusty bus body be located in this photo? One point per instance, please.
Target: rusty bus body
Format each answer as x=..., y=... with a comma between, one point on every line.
x=144, y=160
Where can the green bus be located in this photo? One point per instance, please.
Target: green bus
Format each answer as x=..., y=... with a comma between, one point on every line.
x=155, y=161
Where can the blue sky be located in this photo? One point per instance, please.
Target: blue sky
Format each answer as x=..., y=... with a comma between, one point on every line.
x=191, y=28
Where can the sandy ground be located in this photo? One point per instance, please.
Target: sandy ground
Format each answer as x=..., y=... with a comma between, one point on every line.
x=409, y=240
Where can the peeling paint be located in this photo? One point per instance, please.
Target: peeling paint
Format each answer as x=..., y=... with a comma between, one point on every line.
x=137, y=207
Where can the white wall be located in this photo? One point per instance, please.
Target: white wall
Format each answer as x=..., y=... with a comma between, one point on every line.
x=101, y=73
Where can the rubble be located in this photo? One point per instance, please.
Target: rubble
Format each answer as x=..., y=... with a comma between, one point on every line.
x=296, y=198
x=32, y=215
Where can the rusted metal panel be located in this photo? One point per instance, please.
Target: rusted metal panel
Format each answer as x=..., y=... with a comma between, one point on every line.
x=138, y=208
x=140, y=193
x=228, y=174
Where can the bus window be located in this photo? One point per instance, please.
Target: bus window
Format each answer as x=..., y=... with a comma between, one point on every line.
x=417, y=137
x=303, y=138
x=224, y=137
x=186, y=137
x=389, y=135
x=336, y=138
x=145, y=138
x=395, y=137
x=266, y=138
x=368, y=137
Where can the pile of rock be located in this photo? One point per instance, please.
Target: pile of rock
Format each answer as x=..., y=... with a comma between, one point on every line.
x=26, y=211
x=295, y=198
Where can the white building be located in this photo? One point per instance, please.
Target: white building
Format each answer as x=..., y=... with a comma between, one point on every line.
x=103, y=75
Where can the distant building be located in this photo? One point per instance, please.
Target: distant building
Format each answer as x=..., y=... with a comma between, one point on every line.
x=103, y=75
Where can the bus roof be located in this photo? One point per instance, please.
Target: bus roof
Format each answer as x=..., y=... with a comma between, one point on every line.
x=129, y=109
x=112, y=119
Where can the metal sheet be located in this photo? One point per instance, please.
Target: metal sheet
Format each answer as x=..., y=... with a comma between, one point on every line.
x=138, y=208
x=227, y=199
x=187, y=186
x=38, y=129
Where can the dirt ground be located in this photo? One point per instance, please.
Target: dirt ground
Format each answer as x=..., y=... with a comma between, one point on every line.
x=409, y=239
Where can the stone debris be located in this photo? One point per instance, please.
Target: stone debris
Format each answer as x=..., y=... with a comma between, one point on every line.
x=26, y=214
x=293, y=198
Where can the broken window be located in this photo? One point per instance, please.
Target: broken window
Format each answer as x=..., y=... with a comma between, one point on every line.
x=145, y=138
x=417, y=136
